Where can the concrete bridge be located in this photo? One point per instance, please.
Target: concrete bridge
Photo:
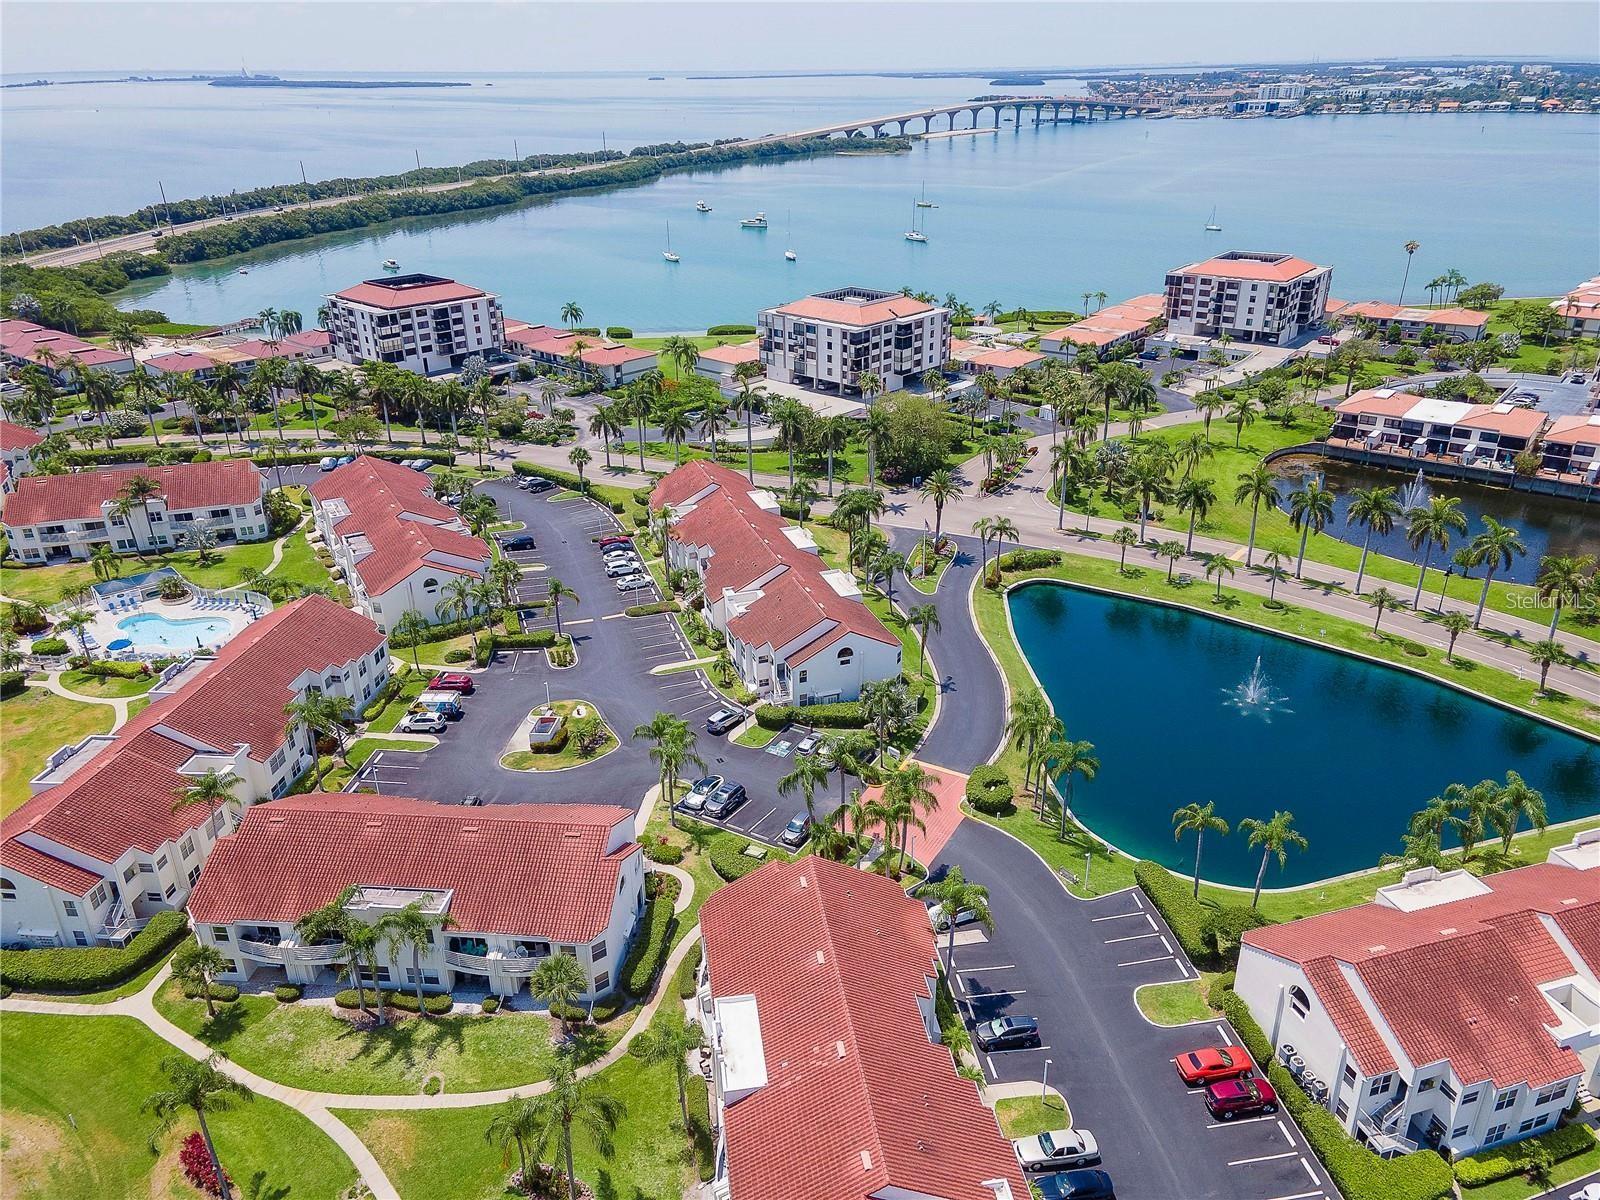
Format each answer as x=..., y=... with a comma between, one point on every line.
x=1046, y=109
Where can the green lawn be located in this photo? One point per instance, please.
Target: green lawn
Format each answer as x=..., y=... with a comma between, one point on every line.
x=1518, y=1188
x=300, y=563
x=32, y=726
x=756, y=737
x=1109, y=871
x=567, y=756
x=362, y=749
x=47, y=585
x=1274, y=531
x=1023, y=1116
x=670, y=368
x=1174, y=1003
x=394, y=712
x=107, y=686
x=71, y=1095
x=305, y=1045
x=443, y=1155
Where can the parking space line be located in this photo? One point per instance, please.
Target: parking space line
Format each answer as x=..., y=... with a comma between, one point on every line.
x=1301, y=1195
x=1283, y=1129
x=1221, y=1032
x=1020, y=1050
x=1133, y=937
x=1165, y=946
x=613, y=616
x=998, y=992
x=997, y=967
x=1137, y=901
x=1139, y=962
x=767, y=814
x=1116, y=916
x=1236, y=1124
x=1309, y=1171
x=1245, y=1162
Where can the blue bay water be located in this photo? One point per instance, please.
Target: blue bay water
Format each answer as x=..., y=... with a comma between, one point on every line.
x=1031, y=216
x=1353, y=749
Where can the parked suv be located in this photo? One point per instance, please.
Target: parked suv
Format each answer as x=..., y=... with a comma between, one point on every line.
x=1240, y=1098
x=424, y=722
x=1076, y=1185
x=452, y=681
x=723, y=720
x=1006, y=1033
x=726, y=800
x=796, y=831
x=702, y=791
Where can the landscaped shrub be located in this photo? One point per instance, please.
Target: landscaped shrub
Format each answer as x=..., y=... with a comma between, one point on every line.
x=731, y=331
x=654, y=936
x=1219, y=986
x=618, y=331
x=705, y=1146
x=1223, y=927
x=650, y=610
x=221, y=993
x=445, y=631
x=114, y=670
x=457, y=656
x=1356, y=1171
x=433, y=1087
x=286, y=993
x=491, y=1004
x=566, y=479
x=689, y=971
x=664, y=852
x=49, y=647
x=555, y=745
x=172, y=587
x=572, y=1014
x=195, y=1160
x=13, y=683
x=729, y=861
x=1503, y=1162
x=1174, y=899
x=78, y=969
x=539, y=639
x=989, y=789
x=844, y=715
x=1029, y=560
x=437, y=1003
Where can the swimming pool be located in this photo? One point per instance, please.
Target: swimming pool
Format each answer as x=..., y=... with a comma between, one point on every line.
x=151, y=631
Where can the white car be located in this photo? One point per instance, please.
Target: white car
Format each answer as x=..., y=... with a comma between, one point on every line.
x=1057, y=1150
x=940, y=922
x=424, y=722
x=621, y=556
x=621, y=570
x=702, y=791
x=632, y=583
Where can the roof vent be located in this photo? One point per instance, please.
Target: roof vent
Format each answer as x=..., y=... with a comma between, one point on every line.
x=572, y=833
x=821, y=959
x=1447, y=932
x=803, y=881
x=374, y=824
x=922, y=1145
x=277, y=820
x=839, y=1045
x=1378, y=949
x=866, y=1160
x=469, y=829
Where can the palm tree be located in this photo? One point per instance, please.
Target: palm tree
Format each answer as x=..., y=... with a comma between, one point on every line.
x=460, y=600
x=670, y=1041
x=317, y=712
x=570, y=1101
x=1032, y=722
x=641, y=402
x=1148, y=478
x=675, y=426
x=1411, y=247
x=1242, y=412
x=75, y=622
x=1198, y=819
x=211, y=789
x=141, y=489
x=672, y=748
x=957, y=895
x=1430, y=526
x=713, y=420
x=1172, y=552
x=201, y=1087
x=940, y=488
x=1122, y=539
x=1514, y=800
x=571, y=313
x=811, y=771
x=605, y=424
x=983, y=527
x=924, y=618
x=874, y=431
x=558, y=591
x=1256, y=485
x=1310, y=510
x=412, y=627
x=789, y=418
x=831, y=435
x=745, y=405
x=871, y=385
x=1382, y=599
x=683, y=354
x=105, y=563
x=559, y=980
x=411, y=928
x=1455, y=623
x=1070, y=760
x=1545, y=655
x=907, y=794
x=1375, y=510
x=1496, y=546
x=1221, y=566
x=197, y=965
x=1563, y=579
x=888, y=709
x=515, y=1123
x=1001, y=528
x=1195, y=496
x=580, y=458
x=1274, y=837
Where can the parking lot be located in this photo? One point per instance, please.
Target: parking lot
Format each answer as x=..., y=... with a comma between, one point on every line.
x=1074, y=965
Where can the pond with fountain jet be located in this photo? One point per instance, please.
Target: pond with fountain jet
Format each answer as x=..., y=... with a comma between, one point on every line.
x=1183, y=707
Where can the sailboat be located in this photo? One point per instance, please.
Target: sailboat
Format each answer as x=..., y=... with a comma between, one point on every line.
x=925, y=202
x=788, y=236
x=667, y=253
x=1211, y=225
x=914, y=234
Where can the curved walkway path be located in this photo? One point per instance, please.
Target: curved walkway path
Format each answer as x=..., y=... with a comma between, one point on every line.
x=118, y=704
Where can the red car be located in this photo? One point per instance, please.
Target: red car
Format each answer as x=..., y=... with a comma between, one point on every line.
x=1213, y=1063
x=1240, y=1098
x=451, y=681
x=615, y=539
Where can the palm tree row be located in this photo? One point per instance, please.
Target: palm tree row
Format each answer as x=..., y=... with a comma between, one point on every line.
x=1274, y=837
x=1488, y=808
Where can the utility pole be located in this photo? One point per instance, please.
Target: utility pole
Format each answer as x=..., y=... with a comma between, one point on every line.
x=516, y=152
x=418, y=153
x=165, y=207
x=303, y=172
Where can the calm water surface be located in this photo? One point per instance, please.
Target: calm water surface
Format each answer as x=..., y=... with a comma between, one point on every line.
x=1352, y=749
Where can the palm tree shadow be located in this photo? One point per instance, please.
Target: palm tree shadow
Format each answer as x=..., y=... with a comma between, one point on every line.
x=258, y=1189
x=225, y=1026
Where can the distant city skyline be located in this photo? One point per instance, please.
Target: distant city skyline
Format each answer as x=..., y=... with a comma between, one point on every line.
x=44, y=36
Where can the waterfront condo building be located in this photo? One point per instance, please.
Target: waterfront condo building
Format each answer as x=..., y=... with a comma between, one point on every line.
x=1404, y=424
x=1104, y=332
x=816, y=993
x=518, y=882
x=1252, y=296
x=1571, y=447
x=798, y=632
x=100, y=847
x=421, y=323
x=1451, y=1012
x=829, y=340
x=54, y=518
x=1579, y=309
x=396, y=546
x=565, y=351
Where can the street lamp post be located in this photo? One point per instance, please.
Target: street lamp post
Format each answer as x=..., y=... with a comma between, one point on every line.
x=1044, y=1084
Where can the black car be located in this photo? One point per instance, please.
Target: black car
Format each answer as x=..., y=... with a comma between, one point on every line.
x=1006, y=1033
x=726, y=800
x=518, y=541
x=536, y=483
x=723, y=720
x=796, y=831
x=1076, y=1185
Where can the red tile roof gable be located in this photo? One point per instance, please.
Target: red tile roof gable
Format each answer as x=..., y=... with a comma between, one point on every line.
x=225, y=483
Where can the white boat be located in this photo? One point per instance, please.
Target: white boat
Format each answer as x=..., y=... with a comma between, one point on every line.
x=667, y=253
x=924, y=202
x=389, y=264
x=759, y=221
x=914, y=234
x=1211, y=225
x=701, y=206
x=788, y=236
x=790, y=255
x=244, y=271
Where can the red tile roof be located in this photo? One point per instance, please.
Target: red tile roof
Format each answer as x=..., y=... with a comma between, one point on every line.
x=179, y=362
x=1381, y=311
x=29, y=342
x=1456, y=980
x=541, y=870
x=857, y=1100
x=18, y=437
x=1579, y=427
x=78, y=497
x=1112, y=323
x=393, y=506
x=748, y=544
x=1268, y=268
x=1382, y=402
x=396, y=293
x=732, y=356
x=845, y=312
x=1349, y=1017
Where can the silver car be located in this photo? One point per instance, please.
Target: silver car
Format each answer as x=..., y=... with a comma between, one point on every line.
x=632, y=583
x=1057, y=1150
x=702, y=791
x=623, y=569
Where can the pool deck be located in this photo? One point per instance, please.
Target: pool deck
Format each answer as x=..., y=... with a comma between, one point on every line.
x=234, y=615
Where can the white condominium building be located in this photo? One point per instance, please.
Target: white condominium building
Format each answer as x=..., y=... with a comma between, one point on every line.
x=1252, y=296
x=828, y=341
x=423, y=323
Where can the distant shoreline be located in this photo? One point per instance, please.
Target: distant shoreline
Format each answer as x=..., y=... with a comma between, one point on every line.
x=239, y=81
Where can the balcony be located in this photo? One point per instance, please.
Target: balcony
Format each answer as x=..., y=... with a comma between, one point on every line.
x=483, y=964
x=289, y=952
x=1384, y=1143
x=120, y=925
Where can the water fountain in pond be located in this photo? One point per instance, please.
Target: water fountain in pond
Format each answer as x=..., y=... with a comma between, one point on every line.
x=1414, y=494
x=1253, y=695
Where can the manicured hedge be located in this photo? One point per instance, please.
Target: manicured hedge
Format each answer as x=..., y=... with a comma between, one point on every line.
x=652, y=939
x=49, y=647
x=78, y=969
x=437, y=1003
x=1029, y=560
x=445, y=630
x=128, y=454
x=664, y=852
x=1358, y=1172
x=1174, y=899
x=650, y=610
x=618, y=331
x=566, y=479
x=221, y=993
x=844, y=715
x=13, y=683
x=539, y=639
x=113, y=670
x=1505, y=1161
x=989, y=789
x=555, y=745
x=287, y=993
x=728, y=861
x=491, y=1004
x=731, y=331
x=705, y=1146
x=689, y=971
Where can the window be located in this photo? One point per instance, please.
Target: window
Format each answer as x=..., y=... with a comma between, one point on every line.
x=70, y=907
x=599, y=952
x=78, y=938
x=1505, y=1100
x=1532, y=1123
x=128, y=875
x=845, y=656
x=194, y=874
x=1460, y=1131
x=8, y=890
x=187, y=846
x=1496, y=1133
x=1445, y=1090
x=570, y=951
x=219, y=933
x=602, y=981
x=97, y=897
x=1342, y=1110
x=1299, y=1001
x=1427, y=1085
x=172, y=890
x=1349, y=1074
x=146, y=869
x=153, y=897
x=161, y=863
x=1382, y=1084
x=1469, y=1098
x=1556, y=1092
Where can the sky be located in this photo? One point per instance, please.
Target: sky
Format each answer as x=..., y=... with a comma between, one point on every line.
x=43, y=36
